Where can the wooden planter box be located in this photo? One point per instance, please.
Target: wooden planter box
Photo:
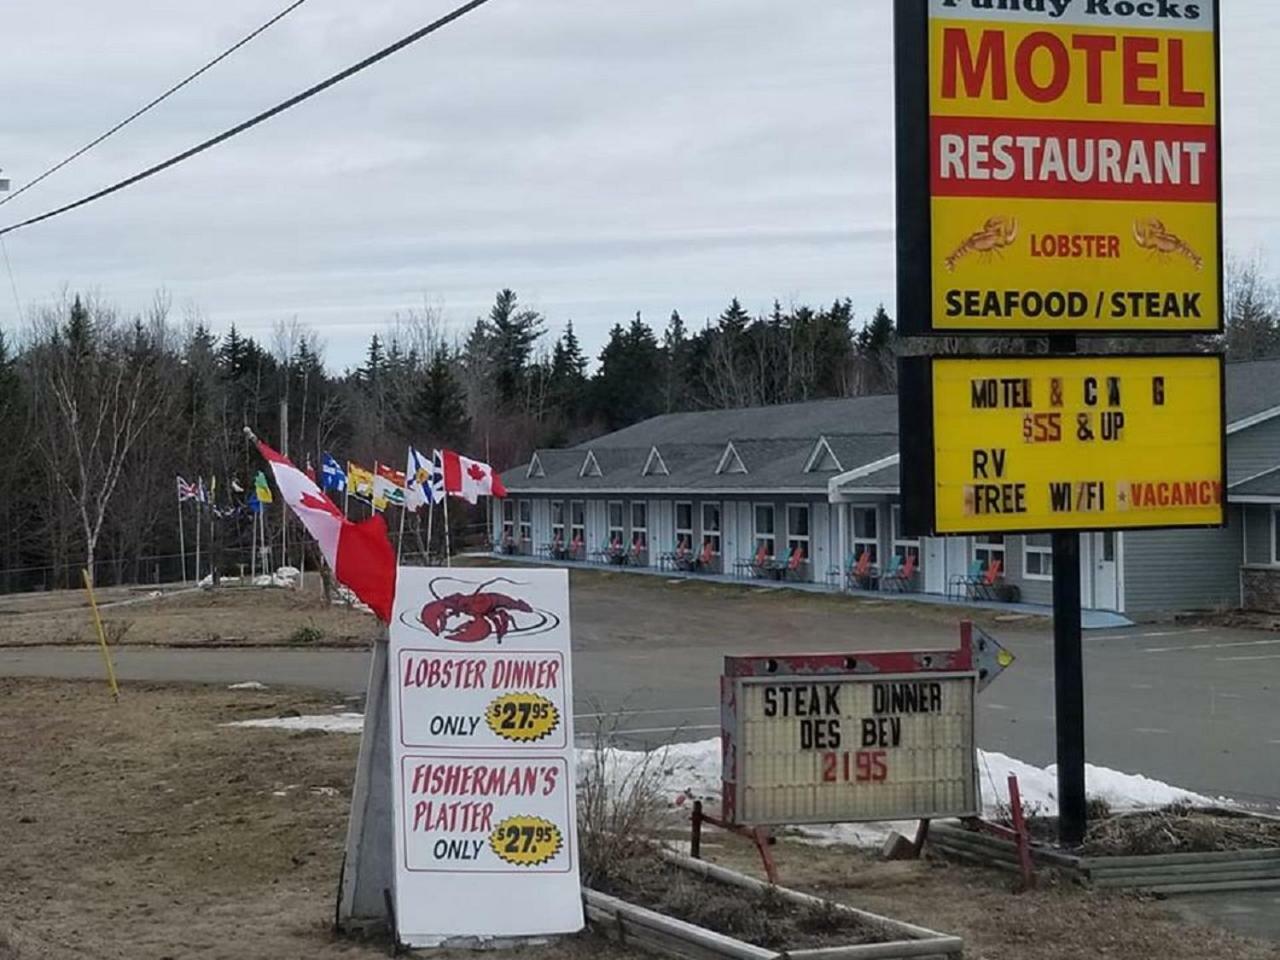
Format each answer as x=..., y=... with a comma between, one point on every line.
x=1169, y=873
x=668, y=936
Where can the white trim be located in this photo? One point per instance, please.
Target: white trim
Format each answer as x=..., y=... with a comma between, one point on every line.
x=675, y=520
x=896, y=541
x=755, y=532
x=590, y=466
x=1027, y=548
x=535, y=467
x=1253, y=499
x=1120, y=602
x=1268, y=414
x=807, y=538
x=1274, y=510
x=812, y=463
x=718, y=533
x=1253, y=476
x=660, y=470
x=609, y=528
x=834, y=484
x=731, y=466
x=854, y=539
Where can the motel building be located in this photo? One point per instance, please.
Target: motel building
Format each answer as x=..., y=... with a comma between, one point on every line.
x=730, y=486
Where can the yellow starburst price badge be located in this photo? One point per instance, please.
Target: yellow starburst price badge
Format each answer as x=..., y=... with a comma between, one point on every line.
x=526, y=841
x=522, y=717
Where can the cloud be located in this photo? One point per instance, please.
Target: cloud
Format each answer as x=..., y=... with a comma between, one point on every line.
x=598, y=157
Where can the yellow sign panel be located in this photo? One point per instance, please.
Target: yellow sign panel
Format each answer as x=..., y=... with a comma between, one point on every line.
x=1069, y=443
x=832, y=749
x=1059, y=168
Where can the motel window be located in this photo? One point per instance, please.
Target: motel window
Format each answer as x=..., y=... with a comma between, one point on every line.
x=526, y=521
x=711, y=526
x=798, y=529
x=1037, y=557
x=684, y=525
x=988, y=548
x=508, y=521
x=577, y=522
x=903, y=546
x=866, y=533
x=615, y=521
x=764, y=529
x=557, y=522
x=639, y=523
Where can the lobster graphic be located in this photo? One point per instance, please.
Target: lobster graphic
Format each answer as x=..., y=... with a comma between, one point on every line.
x=1150, y=234
x=996, y=234
x=486, y=614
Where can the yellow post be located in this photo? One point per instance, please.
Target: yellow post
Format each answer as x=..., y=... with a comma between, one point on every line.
x=102, y=636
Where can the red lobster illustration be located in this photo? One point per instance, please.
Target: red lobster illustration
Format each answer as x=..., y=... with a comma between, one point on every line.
x=488, y=613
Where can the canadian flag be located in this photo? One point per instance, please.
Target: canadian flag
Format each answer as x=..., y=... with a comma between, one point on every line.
x=359, y=554
x=469, y=479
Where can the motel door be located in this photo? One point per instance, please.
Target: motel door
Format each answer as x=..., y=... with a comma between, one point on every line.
x=935, y=565
x=1106, y=584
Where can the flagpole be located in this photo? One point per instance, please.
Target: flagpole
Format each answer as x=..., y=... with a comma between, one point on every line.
x=197, y=543
x=400, y=536
x=253, y=549
x=431, y=515
x=448, y=545
x=182, y=543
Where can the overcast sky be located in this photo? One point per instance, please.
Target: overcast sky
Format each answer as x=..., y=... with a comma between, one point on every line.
x=598, y=156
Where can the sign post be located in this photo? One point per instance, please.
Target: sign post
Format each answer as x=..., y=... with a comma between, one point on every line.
x=1059, y=174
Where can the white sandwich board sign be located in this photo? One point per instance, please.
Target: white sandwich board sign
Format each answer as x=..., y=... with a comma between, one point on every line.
x=478, y=712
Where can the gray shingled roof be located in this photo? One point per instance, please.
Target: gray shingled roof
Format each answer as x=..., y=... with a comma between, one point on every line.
x=1253, y=387
x=776, y=442
x=1264, y=485
x=789, y=421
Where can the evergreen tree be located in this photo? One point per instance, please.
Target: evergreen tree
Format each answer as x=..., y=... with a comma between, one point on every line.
x=514, y=333
x=439, y=412
x=676, y=353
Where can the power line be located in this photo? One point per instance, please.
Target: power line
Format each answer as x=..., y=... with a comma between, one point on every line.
x=260, y=118
x=160, y=99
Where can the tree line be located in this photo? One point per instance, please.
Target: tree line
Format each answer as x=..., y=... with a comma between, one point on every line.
x=99, y=412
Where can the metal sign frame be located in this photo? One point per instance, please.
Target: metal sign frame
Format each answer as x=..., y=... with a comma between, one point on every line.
x=915, y=265
x=740, y=671
x=918, y=470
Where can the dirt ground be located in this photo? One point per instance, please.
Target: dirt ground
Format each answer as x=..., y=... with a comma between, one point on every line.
x=144, y=829
x=231, y=616
x=249, y=616
x=1059, y=921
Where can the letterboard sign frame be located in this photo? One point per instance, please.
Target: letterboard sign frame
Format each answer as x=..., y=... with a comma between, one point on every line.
x=848, y=738
x=1115, y=482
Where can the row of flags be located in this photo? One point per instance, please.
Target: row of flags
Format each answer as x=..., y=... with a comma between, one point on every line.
x=425, y=481
x=360, y=553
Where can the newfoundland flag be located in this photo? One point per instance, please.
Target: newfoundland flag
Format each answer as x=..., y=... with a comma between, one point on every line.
x=359, y=554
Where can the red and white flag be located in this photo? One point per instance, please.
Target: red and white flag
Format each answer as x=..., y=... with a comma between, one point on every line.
x=469, y=479
x=359, y=554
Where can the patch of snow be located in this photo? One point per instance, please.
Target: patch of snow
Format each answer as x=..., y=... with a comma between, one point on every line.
x=691, y=771
x=329, y=723
x=248, y=685
x=345, y=597
x=285, y=577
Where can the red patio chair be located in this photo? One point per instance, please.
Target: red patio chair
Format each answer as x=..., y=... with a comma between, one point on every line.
x=860, y=572
x=986, y=588
x=795, y=562
x=707, y=557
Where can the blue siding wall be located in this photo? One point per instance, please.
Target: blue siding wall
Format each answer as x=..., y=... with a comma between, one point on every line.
x=1168, y=570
